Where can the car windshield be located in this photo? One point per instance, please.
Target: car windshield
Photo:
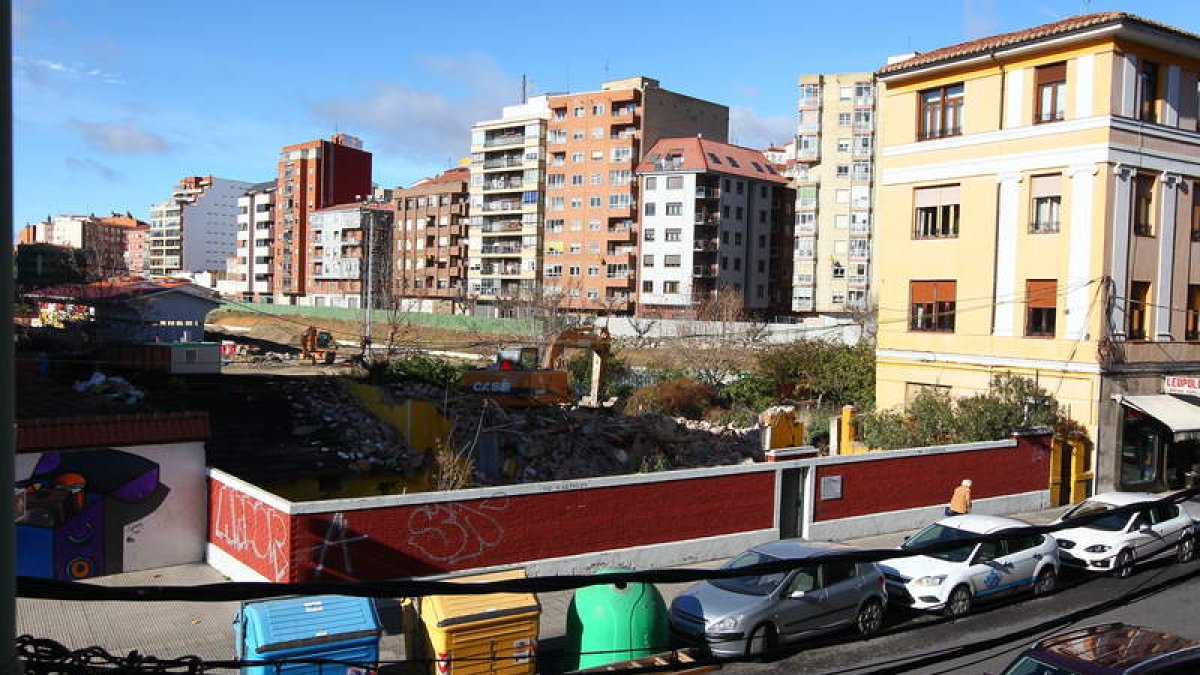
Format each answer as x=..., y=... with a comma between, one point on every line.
x=939, y=533
x=1113, y=522
x=1027, y=665
x=761, y=584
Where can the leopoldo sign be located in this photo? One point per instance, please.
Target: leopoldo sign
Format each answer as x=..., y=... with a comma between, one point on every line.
x=1182, y=384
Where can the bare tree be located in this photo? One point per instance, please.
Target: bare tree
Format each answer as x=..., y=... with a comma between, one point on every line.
x=641, y=327
x=724, y=308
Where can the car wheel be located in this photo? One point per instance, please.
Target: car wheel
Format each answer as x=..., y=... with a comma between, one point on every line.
x=870, y=618
x=958, y=603
x=1123, y=565
x=762, y=640
x=1186, y=550
x=1045, y=582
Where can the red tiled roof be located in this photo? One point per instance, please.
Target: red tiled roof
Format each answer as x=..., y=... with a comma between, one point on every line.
x=1068, y=25
x=35, y=435
x=119, y=287
x=695, y=154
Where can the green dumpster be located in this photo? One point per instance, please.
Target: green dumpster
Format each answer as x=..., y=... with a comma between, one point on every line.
x=607, y=623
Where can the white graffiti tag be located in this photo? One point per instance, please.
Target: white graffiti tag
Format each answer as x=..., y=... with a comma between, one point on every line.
x=248, y=527
x=450, y=533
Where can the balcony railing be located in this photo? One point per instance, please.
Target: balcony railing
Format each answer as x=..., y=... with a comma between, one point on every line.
x=806, y=228
x=860, y=228
x=502, y=226
x=512, y=205
x=505, y=139
x=502, y=162
x=805, y=279
x=857, y=280
x=809, y=102
x=510, y=184
x=708, y=219
x=704, y=271
x=703, y=192
x=501, y=250
x=705, y=245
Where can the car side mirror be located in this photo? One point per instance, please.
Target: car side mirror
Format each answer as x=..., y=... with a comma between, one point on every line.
x=1146, y=529
x=797, y=594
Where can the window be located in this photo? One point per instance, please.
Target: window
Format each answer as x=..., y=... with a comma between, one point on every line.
x=931, y=306
x=1046, y=208
x=597, y=132
x=672, y=260
x=737, y=238
x=1196, y=210
x=648, y=260
x=574, y=270
x=649, y=209
x=844, y=119
x=843, y=170
x=1041, y=299
x=740, y=213
x=1148, y=92
x=576, y=157
x=598, y=110
x=839, y=272
x=651, y=182
x=556, y=203
x=1051, y=93
x=1191, y=329
x=843, y=145
x=576, y=202
x=941, y=112
x=594, y=202
x=674, y=182
x=593, y=270
x=674, y=208
x=647, y=286
x=672, y=234
x=740, y=186
x=1139, y=294
x=576, y=179
x=936, y=212
x=737, y=264
x=577, y=111
x=1143, y=205
x=671, y=287
x=648, y=234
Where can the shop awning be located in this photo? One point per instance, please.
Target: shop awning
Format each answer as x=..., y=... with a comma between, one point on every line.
x=1180, y=416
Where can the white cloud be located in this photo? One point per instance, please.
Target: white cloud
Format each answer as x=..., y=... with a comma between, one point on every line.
x=749, y=129
x=39, y=71
x=122, y=139
x=89, y=165
x=425, y=124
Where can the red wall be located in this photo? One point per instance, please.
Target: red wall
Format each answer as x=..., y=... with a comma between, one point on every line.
x=423, y=539
x=889, y=484
x=250, y=530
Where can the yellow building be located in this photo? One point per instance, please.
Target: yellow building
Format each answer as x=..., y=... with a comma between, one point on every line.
x=1039, y=214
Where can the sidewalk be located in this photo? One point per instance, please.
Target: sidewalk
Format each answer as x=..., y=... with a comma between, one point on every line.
x=172, y=629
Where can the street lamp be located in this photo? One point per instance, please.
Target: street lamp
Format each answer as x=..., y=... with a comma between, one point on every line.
x=370, y=299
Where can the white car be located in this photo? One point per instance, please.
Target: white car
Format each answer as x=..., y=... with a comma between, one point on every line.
x=952, y=580
x=1116, y=542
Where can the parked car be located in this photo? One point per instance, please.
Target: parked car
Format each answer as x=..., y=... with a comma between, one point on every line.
x=950, y=581
x=1115, y=543
x=750, y=615
x=1108, y=649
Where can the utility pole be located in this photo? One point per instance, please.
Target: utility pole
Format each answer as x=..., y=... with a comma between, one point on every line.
x=369, y=217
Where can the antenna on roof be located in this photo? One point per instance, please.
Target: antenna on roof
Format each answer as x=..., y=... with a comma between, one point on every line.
x=524, y=90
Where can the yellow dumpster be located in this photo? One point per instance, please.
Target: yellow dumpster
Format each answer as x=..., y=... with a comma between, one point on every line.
x=493, y=633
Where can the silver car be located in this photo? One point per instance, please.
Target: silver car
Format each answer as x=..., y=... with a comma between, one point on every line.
x=750, y=615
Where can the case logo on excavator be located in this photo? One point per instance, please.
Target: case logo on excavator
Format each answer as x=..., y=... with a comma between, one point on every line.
x=496, y=387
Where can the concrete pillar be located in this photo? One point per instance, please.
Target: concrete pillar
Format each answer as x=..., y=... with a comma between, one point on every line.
x=1122, y=226
x=1169, y=195
x=1006, y=294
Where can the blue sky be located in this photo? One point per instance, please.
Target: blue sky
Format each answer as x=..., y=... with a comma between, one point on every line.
x=115, y=100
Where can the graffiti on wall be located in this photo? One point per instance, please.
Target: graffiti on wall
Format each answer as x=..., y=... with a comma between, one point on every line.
x=256, y=532
x=81, y=509
x=337, y=541
x=453, y=532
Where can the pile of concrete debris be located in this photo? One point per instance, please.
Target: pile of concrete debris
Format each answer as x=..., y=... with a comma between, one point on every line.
x=329, y=419
x=510, y=445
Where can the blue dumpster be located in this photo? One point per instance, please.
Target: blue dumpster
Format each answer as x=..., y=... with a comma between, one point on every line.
x=333, y=627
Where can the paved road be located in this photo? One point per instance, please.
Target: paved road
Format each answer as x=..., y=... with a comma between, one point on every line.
x=1163, y=597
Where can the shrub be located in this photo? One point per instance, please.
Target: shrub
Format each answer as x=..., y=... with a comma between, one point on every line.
x=754, y=392
x=425, y=370
x=616, y=372
x=678, y=397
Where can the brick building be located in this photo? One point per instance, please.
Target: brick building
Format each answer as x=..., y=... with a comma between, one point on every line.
x=431, y=241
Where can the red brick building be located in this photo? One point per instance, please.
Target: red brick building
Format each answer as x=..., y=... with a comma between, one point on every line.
x=431, y=241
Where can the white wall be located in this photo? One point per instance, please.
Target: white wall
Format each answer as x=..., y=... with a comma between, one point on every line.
x=209, y=226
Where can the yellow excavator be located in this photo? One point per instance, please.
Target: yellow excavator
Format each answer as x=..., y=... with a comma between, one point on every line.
x=521, y=377
x=318, y=345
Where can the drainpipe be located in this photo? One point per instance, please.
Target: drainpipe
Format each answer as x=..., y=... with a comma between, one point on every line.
x=1003, y=84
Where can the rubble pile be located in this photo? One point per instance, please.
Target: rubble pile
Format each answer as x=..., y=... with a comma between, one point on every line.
x=328, y=418
x=113, y=387
x=559, y=443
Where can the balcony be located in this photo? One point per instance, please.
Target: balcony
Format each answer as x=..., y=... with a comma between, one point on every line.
x=501, y=249
x=504, y=139
x=503, y=226
x=504, y=184
x=502, y=205
x=809, y=102
x=704, y=271
x=809, y=228
x=864, y=101
x=805, y=279
x=711, y=192
x=857, y=280
x=500, y=270
x=705, y=245
x=802, y=304
x=808, y=154
x=708, y=219
x=861, y=229
x=864, y=125
x=514, y=161
x=624, y=133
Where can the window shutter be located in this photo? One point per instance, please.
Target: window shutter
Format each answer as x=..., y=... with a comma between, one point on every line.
x=1053, y=73
x=1041, y=293
x=1046, y=186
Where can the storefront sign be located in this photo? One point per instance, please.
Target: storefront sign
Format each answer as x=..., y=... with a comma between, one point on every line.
x=1181, y=384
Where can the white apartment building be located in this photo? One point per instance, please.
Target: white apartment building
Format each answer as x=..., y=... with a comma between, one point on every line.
x=195, y=228
x=248, y=272
x=507, y=183
x=833, y=174
x=713, y=216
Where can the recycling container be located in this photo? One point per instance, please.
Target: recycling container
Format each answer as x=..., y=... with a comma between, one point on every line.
x=607, y=623
x=466, y=634
x=334, y=627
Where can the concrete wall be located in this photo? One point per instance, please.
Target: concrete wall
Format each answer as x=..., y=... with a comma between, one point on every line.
x=640, y=520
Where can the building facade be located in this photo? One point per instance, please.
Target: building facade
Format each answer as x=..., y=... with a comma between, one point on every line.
x=833, y=174
x=594, y=142
x=1039, y=196
x=194, y=229
x=110, y=245
x=505, y=226
x=249, y=271
x=351, y=254
x=312, y=175
x=714, y=218
x=431, y=242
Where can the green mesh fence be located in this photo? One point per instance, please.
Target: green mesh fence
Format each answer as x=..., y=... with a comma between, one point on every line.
x=461, y=322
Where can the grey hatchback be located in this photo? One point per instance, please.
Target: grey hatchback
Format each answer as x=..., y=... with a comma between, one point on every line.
x=747, y=616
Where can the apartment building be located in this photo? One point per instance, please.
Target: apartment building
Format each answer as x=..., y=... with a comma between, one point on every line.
x=833, y=174
x=312, y=175
x=431, y=242
x=351, y=253
x=594, y=142
x=248, y=271
x=112, y=245
x=505, y=226
x=194, y=229
x=714, y=217
x=1038, y=191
